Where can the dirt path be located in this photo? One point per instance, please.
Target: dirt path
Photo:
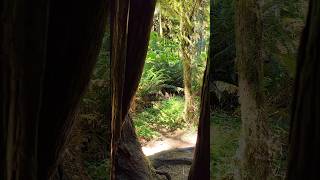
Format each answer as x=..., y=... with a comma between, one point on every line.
x=178, y=139
x=172, y=153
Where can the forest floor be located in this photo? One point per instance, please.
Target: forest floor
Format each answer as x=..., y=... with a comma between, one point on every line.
x=226, y=133
x=226, y=129
x=177, y=139
x=172, y=152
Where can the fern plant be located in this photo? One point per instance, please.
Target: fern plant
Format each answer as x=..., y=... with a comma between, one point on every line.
x=151, y=82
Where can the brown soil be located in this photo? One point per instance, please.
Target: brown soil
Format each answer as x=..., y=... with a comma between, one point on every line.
x=172, y=153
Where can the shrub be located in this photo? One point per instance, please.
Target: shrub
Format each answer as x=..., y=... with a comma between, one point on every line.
x=163, y=54
x=166, y=115
x=151, y=82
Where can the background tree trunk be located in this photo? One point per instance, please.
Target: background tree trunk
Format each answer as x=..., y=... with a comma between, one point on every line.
x=304, y=146
x=186, y=30
x=253, y=151
x=160, y=22
x=188, y=106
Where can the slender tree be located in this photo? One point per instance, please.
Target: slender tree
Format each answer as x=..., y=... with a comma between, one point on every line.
x=188, y=11
x=185, y=11
x=253, y=152
x=304, y=146
x=160, y=21
x=186, y=29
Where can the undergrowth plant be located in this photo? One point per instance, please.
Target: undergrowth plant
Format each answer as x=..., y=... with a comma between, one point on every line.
x=163, y=116
x=159, y=103
x=163, y=54
x=89, y=144
x=151, y=82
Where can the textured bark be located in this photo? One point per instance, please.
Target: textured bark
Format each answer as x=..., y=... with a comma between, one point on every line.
x=22, y=58
x=253, y=151
x=74, y=38
x=130, y=160
x=304, y=146
x=131, y=24
x=160, y=21
x=213, y=98
x=186, y=51
x=119, y=29
x=48, y=51
x=201, y=163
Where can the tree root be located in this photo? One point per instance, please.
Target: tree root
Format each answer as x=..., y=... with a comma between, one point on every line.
x=156, y=163
x=163, y=173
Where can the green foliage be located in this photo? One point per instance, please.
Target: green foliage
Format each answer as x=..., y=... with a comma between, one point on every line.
x=226, y=134
x=275, y=78
x=143, y=128
x=198, y=68
x=225, y=143
x=158, y=103
x=282, y=24
x=102, y=69
x=163, y=54
x=166, y=115
x=151, y=82
x=223, y=41
x=89, y=141
x=279, y=149
x=163, y=67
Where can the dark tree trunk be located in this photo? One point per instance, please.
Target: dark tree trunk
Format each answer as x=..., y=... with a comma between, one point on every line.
x=129, y=49
x=200, y=168
x=304, y=156
x=22, y=57
x=48, y=51
x=75, y=32
x=201, y=163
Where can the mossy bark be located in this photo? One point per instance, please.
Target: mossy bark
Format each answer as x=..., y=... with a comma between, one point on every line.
x=186, y=30
x=188, y=106
x=160, y=21
x=253, y=156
